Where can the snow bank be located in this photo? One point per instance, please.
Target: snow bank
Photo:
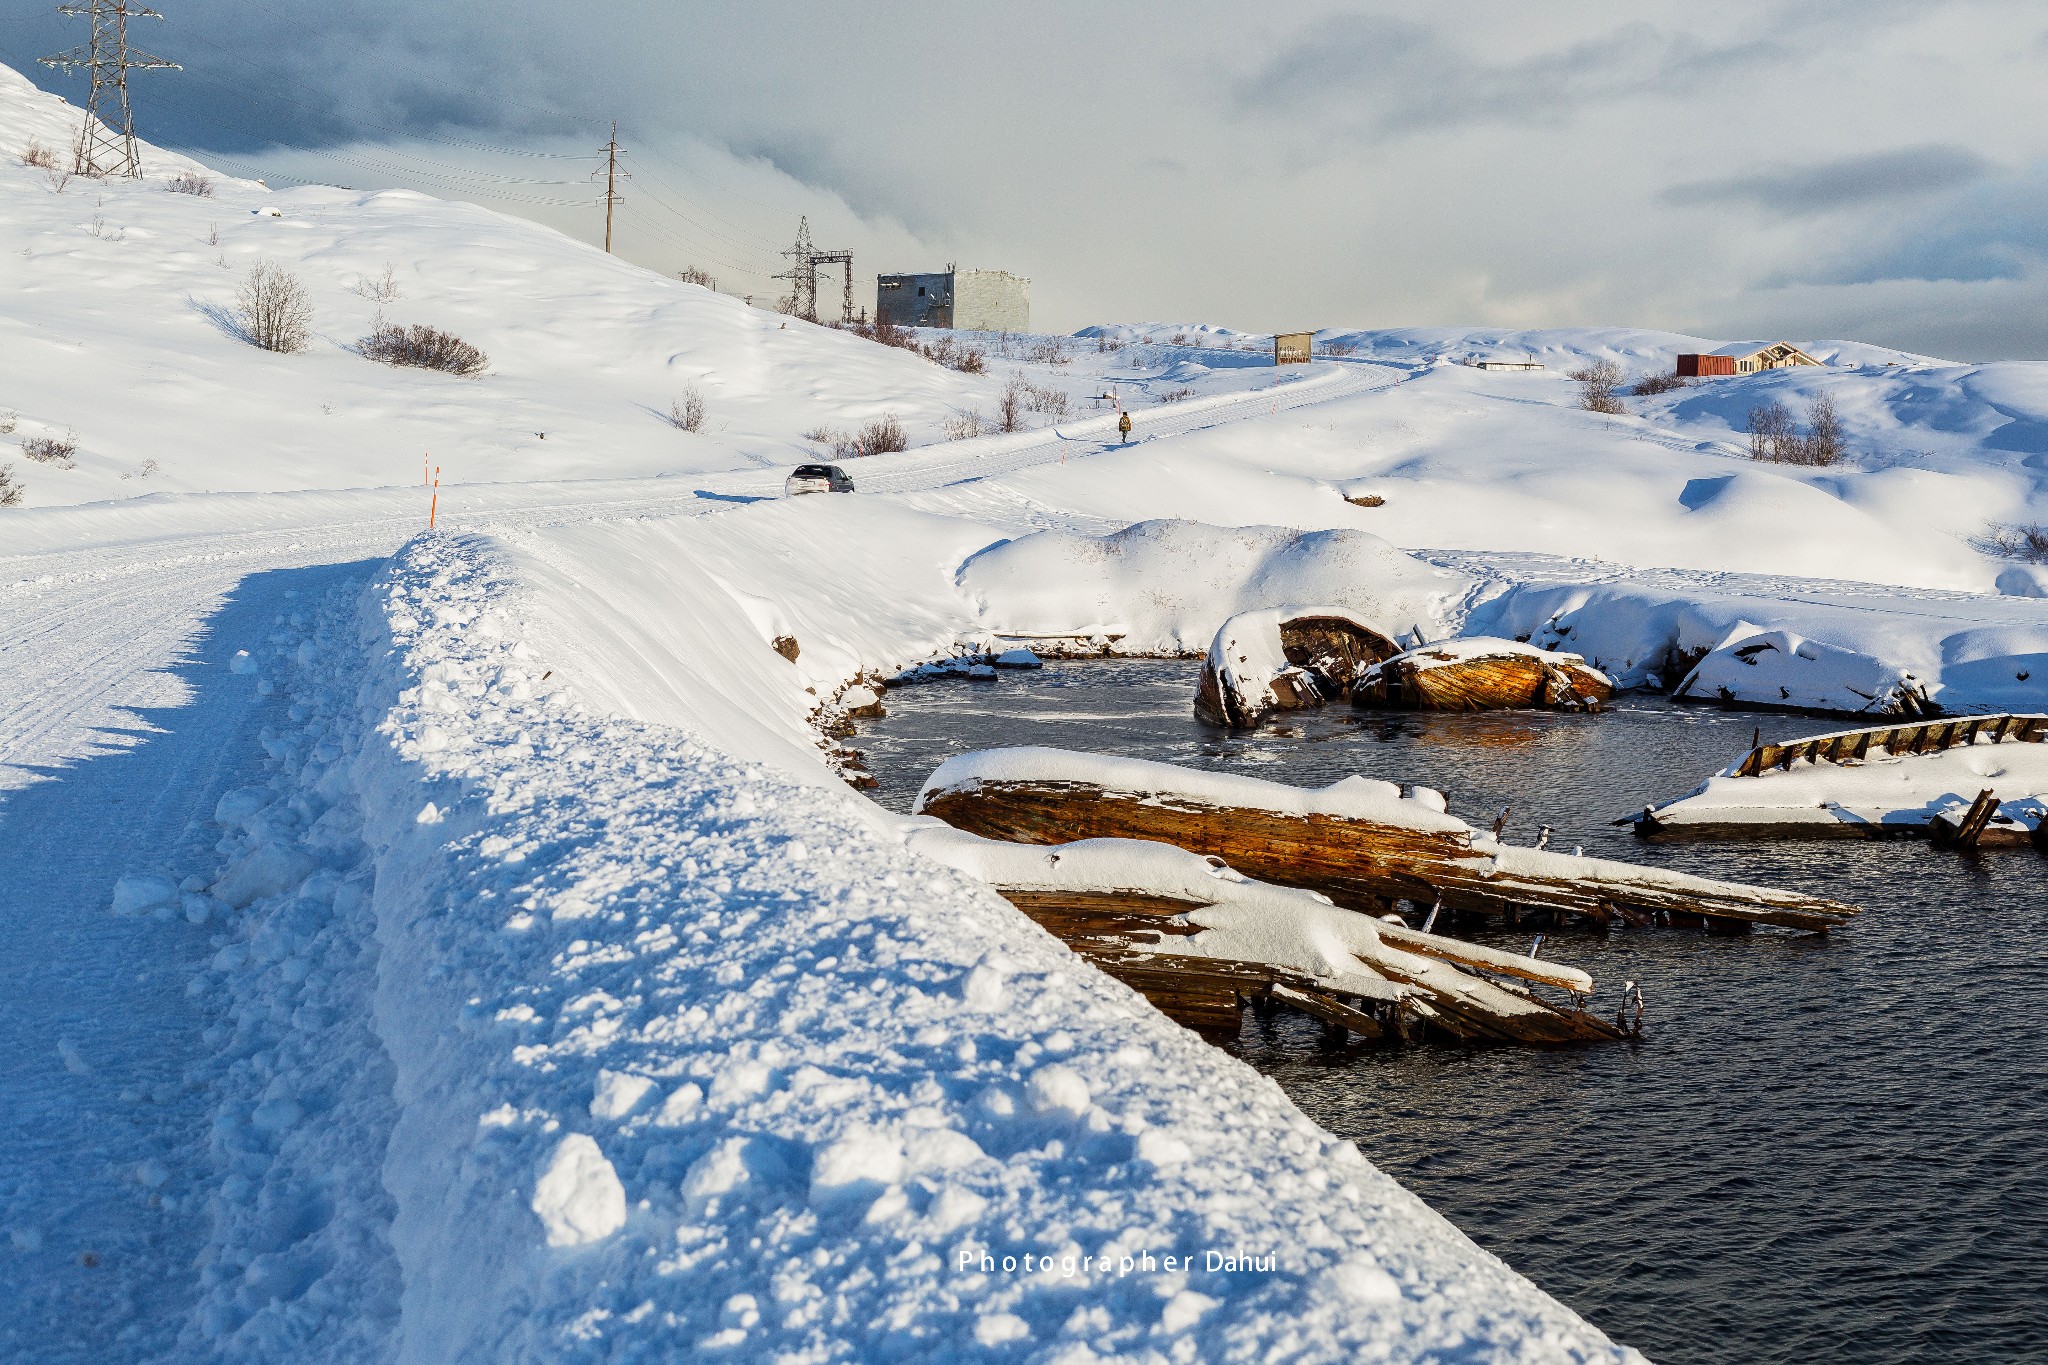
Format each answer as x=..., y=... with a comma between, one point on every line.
x=1166, y=586
x=862, y=1089
x=1355, y=798
x=1904, y=791
x=1836, y=647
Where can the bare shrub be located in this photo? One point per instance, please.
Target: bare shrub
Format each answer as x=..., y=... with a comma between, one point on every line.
x=1658, y=383
x=1599, y=382
x=1010, y=407
x=882, y=436
x=690, y=274
x=820, y=435
x=1823, y=443
x=1047, y=351
x=7, y=421
x=1176, y=395
x=58, y=176
x=964, y=427
x=11, y=489
x=190, y=182
x=1052, y=402
x=376, y=288
x=56, y=450
x=969, y=360
x=426, y=348
x=2029, y=543
x=1340, y=348
x=1771, y=436
x=38, y=156
x=275, y=312
x=688, y=413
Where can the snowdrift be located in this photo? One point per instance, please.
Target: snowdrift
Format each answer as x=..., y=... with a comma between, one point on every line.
x=1166, y=586
x=673, y=1053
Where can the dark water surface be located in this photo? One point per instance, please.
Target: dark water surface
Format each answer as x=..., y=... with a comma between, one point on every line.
x=1826, y=1149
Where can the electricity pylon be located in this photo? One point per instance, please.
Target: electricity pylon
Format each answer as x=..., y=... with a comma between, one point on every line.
x=106, y=140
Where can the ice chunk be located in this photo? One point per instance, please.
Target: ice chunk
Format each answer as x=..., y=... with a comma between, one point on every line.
x=579, y=1198
x=618, y=1093
x=1057, y=1090
x=138, y=895
x=266, y=872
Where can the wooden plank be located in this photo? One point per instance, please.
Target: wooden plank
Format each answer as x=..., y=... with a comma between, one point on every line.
x=1361, y=864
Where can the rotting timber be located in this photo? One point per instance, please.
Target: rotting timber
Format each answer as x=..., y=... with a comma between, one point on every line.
x=1208, y=994
x=1364, y=863
x=1482, y=675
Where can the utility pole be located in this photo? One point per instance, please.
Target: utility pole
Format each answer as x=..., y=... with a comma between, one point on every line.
x=105, y=146
x=612, y=176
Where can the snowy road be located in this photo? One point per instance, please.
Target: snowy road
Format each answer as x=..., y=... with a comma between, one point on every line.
x=125, y=724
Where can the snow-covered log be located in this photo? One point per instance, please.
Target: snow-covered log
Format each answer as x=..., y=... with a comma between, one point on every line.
x=1482, y=674
x=1198, y=938
x=1362, y=843
x=1889, y=780
x=1266, y=661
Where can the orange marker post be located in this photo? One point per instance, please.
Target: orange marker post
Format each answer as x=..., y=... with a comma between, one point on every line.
x=434, y=504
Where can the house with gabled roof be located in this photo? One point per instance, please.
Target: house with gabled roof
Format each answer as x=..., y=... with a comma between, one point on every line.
x=1742, y=357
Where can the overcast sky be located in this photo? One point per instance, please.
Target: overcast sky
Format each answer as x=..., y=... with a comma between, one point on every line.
x=1871, y=169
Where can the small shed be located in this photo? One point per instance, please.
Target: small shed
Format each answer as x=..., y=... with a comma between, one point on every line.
x=1293, y=348
x=1742, y=357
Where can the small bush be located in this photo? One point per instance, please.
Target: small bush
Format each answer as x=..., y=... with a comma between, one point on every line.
x=688, y=413
x=1658, y=383
x=275, y=312
x=965, y=427
x=429, y=348
x=58, y=176
x=10, y=489
x=821, y=435
x=1010, y=407
x=1176, y=395
x=1047, y=351
x=38, y=156
x=56, y=450
x=1774, y=438
x=7, y=421
x=2029, y=543
x=190, y=182
x=378, y=288
x=882, y=436
x=1599, y=383
x=690, y=274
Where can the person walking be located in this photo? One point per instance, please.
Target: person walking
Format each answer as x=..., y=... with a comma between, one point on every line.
x=1123, y=426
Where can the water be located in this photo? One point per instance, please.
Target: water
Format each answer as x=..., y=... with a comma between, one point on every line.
x=1825, y=1149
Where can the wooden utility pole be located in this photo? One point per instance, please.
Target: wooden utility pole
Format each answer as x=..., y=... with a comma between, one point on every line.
x=612, y=176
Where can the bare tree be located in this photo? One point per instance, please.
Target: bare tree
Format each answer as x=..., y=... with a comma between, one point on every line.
x=1599, y=386
x=276, y=314
x=688, y=413
x=1771, y=436
x=1823, y=443
x=379, y=288
x=690, y=274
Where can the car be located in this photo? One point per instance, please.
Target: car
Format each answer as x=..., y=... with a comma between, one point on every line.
x=816, y=478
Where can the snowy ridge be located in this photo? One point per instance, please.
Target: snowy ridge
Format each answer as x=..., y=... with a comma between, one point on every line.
x=638, y=1108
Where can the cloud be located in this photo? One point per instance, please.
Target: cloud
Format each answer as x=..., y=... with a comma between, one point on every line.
x=1401, y=76
x=1905, y=173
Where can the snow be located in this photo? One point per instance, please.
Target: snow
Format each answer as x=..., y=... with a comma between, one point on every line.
x=524, y=868
x=1467, y=648
x=1166, y=586
x=1356, y=798
x=1904, y=791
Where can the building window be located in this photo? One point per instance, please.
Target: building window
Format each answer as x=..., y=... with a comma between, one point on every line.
x=920, y=291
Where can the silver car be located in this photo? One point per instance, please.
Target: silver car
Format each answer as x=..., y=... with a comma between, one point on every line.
x=816, y=478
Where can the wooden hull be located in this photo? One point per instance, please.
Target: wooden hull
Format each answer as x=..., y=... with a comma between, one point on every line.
x=1116, y=930
x=1412, y=682
x=1365, y=865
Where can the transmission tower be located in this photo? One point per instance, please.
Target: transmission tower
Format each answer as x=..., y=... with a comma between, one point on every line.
x=106, y=140
x=803, y=275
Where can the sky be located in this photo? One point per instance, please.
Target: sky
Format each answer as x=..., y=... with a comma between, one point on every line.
x=1865, y=169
